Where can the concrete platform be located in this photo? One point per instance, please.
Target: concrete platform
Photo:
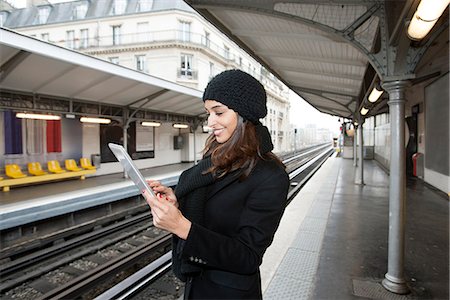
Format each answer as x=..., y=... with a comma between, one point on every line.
x=332, y=240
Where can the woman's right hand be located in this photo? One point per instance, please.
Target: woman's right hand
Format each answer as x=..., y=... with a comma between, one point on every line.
x=163, y=191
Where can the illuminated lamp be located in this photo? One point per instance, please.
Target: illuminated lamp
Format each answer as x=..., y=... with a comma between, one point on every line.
x=95, y=120
x=151, y=124
x=180, y=126
x=37, y=116
x=426, y=15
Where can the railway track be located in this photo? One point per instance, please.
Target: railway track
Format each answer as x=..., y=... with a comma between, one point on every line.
x=130, y=255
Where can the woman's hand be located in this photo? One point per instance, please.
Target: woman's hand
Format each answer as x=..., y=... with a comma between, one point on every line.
x=166, y=214
x=166, y=192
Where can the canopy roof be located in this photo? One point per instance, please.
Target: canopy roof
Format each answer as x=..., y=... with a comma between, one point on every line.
x=34, y=66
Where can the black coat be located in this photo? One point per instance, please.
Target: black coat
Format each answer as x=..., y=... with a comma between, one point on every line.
x=240, y=221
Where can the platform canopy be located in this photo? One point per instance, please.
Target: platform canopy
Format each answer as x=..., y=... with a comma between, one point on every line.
x=317, y=48
x=29, y=65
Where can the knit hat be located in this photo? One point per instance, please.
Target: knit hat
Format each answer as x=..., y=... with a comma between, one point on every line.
x=239, y=91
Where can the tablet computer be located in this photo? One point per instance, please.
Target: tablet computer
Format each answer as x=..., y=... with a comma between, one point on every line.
x=131, y=169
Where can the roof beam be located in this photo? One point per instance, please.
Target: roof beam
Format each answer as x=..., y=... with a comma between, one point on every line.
x=282, y=34
x=331, y=60
x=320, y=92
x=12, y=63
x=301, y=70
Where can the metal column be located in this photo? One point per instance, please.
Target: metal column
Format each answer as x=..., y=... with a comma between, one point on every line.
x=359, y=178
x=355, y=155
x=394, y=279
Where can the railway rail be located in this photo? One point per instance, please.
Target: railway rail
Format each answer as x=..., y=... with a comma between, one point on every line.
x=129, y=255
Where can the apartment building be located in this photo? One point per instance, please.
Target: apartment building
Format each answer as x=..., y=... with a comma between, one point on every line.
x=164, y=38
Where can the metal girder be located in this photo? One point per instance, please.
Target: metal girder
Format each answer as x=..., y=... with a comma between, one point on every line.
x=12, y=63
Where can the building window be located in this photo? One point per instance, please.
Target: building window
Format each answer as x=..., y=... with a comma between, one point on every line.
x=70, y=39
x=185, y=31
x=3, y=17
x=45, y=37
x=144, y=5
x=142, y=32
x=140, y=63
x=119, y=7
x=226, y=52
x=79, y=11
x=84, y=38
x=207, y=41
x=116, y=35
x=114, y=60
x=211, y=70
x=43, y=14
x=186, y=65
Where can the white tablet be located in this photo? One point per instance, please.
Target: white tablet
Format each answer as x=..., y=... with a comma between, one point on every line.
x=129, y=167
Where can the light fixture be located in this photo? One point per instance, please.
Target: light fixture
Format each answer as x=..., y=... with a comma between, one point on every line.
x=37, y=116
x=375, y=94
x=426, y=15
x=95, y=120
x=180, y=126
x=364, y=111
x=151, y=124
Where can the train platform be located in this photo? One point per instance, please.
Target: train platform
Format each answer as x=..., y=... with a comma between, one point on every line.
x=28, y=204
x=332, y=242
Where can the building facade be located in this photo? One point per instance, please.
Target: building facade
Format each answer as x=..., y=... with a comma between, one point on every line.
x=164, y=38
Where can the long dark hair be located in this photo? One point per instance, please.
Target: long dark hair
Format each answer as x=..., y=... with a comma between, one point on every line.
x=238, y=153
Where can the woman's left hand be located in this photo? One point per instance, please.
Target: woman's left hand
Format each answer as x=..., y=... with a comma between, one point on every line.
x=167, y=216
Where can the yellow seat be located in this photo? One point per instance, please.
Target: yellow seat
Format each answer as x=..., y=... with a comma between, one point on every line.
x=71, y=165
x=14, y=171
x=86, y=164
x=54, y=167
x=34, y=168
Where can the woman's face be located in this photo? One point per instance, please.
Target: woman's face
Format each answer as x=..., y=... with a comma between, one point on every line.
x=221, y=119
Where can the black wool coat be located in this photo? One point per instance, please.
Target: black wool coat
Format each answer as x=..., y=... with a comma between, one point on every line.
x=240, y=220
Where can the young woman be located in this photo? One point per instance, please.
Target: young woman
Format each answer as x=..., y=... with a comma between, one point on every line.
x=226, y=209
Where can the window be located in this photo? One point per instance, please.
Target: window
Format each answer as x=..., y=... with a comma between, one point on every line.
x=79, y=11
x=240, y=61
x=119, y=7
x=3, y=17
x=226, y=52
x=185, y=31
x=114, y=60
x=211, y=69
x=142, y=32
x=43, y=14
x=45, y=37
x=140, y=63
x=70, y=39
x=186, y=65
x=144, y=5
x=84, y=38
x=116, y=35
x=207, y=40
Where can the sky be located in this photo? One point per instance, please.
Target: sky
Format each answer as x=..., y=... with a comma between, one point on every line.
x=299, y=107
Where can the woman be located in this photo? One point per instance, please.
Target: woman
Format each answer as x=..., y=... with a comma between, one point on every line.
x=226, y=209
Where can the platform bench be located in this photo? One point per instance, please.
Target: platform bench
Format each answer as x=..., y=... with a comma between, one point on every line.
x=5, y=184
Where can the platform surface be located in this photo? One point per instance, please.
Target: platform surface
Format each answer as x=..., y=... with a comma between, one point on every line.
x=332, y=242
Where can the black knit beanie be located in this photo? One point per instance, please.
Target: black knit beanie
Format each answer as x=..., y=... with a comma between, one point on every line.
x=239, y=91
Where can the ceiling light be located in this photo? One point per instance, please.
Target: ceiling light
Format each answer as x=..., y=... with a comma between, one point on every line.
x=151, y=124
x=426, y=15
x=37, y=116
x=180, y=126
x=364, y=111
x=95, y=120
x=375, y=94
